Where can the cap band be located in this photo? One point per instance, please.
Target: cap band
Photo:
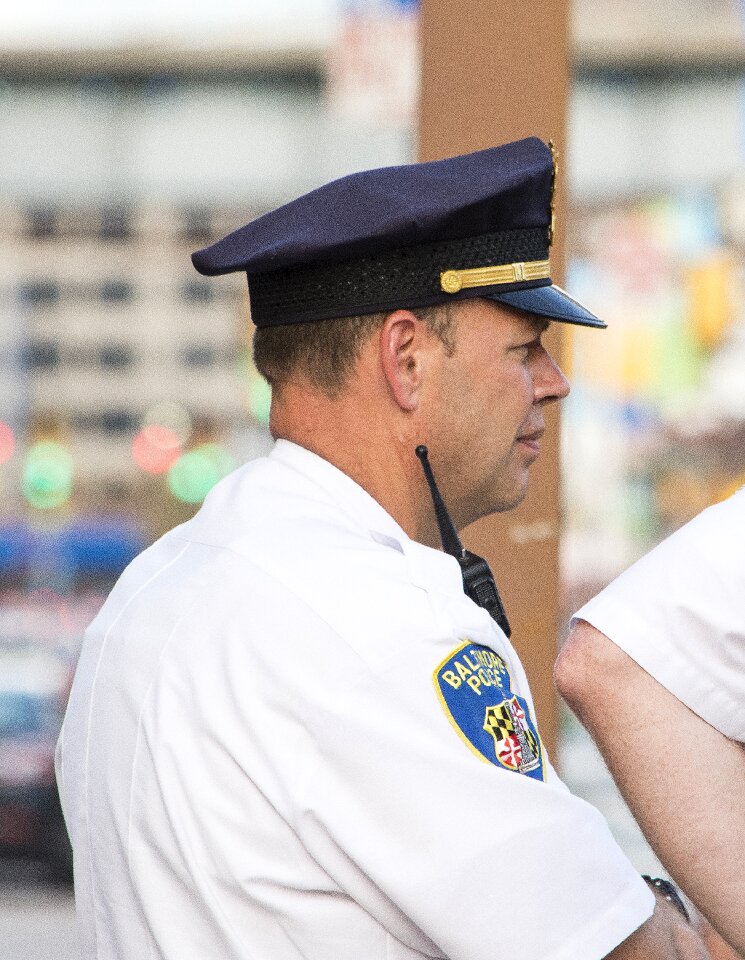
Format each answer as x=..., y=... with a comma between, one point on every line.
x=407, y=276
x=451, y=281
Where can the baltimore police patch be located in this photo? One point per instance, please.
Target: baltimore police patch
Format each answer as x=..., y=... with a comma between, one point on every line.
x=475, y=689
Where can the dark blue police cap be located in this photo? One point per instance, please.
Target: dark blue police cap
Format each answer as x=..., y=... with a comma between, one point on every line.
x=478, y=225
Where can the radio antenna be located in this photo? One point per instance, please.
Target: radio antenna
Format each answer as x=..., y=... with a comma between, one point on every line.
x=478, y=581
x=448, y=534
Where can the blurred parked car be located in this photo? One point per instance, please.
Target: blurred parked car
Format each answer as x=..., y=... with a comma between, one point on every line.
x=34, y=684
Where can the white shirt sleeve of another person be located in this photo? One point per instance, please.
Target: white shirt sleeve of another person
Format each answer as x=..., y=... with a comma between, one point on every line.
x=679, y=612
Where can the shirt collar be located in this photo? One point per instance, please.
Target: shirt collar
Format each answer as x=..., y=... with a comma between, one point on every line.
x=429, y=567
x=348, y=495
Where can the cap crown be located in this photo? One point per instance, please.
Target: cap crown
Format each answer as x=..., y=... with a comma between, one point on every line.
x=501, y=188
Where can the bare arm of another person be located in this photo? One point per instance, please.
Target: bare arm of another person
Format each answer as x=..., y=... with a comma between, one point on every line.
x=665, y=935
x=683, y=780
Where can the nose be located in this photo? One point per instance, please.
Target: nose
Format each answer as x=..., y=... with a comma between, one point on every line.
x=549, y=382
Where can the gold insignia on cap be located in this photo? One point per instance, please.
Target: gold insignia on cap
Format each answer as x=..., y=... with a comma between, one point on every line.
x=451, y=281
x=555, y=174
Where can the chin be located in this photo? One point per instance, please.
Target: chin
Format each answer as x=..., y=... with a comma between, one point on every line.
x=499, y=503
x=507, y=496
x=509, y=503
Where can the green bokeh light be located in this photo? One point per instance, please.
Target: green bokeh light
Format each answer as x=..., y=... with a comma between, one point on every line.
x=258, y=391
x=259, y=398
x=196, y=472
x=47, y=475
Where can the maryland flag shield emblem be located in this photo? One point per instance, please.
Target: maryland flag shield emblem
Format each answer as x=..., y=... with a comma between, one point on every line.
x=474, y=687
x=515, y=745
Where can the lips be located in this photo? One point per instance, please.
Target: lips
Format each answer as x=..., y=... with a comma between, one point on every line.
x=534, y=436
x=532, y=440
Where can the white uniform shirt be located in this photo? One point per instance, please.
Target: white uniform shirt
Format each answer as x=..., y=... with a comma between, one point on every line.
x=679, y=612
x=291, y=735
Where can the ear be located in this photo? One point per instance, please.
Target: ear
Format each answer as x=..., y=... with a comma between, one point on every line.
x=404, y=349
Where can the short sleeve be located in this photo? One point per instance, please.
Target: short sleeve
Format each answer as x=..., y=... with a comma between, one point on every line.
x=679, y=612
x=487, y=863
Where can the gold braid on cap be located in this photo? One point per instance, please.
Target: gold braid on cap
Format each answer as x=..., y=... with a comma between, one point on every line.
x=451, y=281
x=555, y=162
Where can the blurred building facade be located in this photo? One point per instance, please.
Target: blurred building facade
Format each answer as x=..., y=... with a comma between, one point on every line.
x=116, y=163
x=112, y=170
x=126, y=384
x=653, y=430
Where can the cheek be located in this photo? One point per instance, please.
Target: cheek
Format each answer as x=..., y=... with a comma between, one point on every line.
x=514, y=398
x=523, y=391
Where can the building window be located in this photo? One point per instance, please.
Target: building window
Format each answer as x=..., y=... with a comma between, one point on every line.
x=197, y=226
x=116, y=492
x=116, y=291
x=42, y=223
x=198, y=292
x=40, y=293
x=115, y=422
x=42, y=355
x=116, y=356
x=199, y=356
x=115, y=224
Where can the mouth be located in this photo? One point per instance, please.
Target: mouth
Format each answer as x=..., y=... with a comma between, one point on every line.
x=532, y=440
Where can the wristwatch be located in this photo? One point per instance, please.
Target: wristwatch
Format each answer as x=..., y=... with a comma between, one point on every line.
x=668, y=892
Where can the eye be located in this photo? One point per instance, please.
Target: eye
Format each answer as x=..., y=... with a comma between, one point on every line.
x=532, y=344
x=526, y=350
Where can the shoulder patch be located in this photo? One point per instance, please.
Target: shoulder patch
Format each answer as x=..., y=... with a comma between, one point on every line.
x=474, y=687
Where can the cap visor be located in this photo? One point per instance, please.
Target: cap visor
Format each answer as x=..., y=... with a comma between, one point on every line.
x=549, y=302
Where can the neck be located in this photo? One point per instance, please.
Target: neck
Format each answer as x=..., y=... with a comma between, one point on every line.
x=374, y=448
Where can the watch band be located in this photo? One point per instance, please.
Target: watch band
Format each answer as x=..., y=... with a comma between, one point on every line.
x=669, y=892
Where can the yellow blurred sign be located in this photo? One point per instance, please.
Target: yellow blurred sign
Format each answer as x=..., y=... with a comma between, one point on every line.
x=709, y=288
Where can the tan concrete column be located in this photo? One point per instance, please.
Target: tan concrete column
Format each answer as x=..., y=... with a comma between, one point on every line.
x=493, y=72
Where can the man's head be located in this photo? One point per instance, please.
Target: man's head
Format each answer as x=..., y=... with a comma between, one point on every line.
x=486, y=410
x=470, y=380
x=406, y=305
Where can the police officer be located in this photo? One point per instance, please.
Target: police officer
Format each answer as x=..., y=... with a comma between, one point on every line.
x=291, y=733
x=655, y=667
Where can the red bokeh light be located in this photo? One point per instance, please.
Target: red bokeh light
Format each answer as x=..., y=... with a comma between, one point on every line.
x=7, y=442
x=155, y=449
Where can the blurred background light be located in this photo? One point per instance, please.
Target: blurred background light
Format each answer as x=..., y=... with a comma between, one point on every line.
x=259, y=398
x=47, y=475
x=197, y=471
x=172, y=415
x=7, y=442
x=155, y=448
